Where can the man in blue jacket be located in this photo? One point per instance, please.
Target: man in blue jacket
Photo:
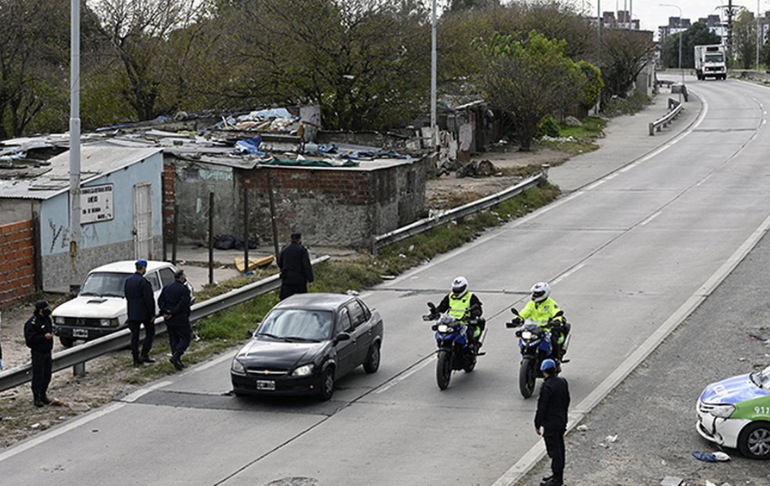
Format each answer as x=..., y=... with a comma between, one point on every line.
x=551, y=419
x=296, y=270
x=141, y=311
x=174, y=302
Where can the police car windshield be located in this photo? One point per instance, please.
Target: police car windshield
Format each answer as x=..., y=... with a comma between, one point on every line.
x=105, y=284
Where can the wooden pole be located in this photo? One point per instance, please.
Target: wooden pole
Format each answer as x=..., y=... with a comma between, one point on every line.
x=272, y=213
x=175, y=237
x=245, y=230
x=211, y=238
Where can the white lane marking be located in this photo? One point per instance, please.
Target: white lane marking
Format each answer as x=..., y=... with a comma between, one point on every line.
x=654, y=215
x=407, y=374
x=144, y=391
x=568, y=273
x=537, y=452
x=35, y=441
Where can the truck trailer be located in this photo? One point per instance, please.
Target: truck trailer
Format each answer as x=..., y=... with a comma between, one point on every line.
x=710, y=62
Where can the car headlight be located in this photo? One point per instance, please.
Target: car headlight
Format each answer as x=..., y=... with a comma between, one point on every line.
x=722, y=411
x=526, y=335
x=108, y=322
x=445, y=329
x=58, y=320
x=237, y=366
x=303, y=370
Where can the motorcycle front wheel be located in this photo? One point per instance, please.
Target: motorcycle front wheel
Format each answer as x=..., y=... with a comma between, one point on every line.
x=527, y=374
x=444, y=369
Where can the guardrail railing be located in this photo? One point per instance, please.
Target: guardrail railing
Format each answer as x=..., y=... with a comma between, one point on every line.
x=668, y=118
x=80, y=354
x=423, y=225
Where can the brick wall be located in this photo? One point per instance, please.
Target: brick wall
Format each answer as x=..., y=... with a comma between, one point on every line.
x=17, y=262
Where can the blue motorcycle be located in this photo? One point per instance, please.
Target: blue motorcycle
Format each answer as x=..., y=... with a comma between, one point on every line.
x=454, y=351
x=535, y=346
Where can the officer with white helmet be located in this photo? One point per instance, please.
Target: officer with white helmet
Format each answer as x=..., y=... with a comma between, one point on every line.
x=546, y=312
x=462, y=305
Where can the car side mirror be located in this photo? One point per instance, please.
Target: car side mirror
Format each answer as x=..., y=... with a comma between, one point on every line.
x=343, y=336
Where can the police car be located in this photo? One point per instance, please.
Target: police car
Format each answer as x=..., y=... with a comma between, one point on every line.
x=735, y=413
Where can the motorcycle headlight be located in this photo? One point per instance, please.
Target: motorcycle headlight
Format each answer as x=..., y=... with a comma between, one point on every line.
x=303, y=370
x=526, y=335
x=722, y=411
x=445, y=329
x=237, y=366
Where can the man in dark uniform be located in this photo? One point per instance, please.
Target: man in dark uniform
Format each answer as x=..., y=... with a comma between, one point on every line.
x=38, y=334
x=551, y=419
x=174, y=302
x=296, y=270
x=141, y=311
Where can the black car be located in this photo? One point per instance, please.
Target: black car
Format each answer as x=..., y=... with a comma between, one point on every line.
x=307, y=342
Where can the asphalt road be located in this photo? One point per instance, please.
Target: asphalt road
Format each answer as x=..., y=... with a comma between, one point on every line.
x=629, y=257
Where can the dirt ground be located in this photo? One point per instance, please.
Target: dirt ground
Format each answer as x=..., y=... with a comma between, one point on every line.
x=111, y=375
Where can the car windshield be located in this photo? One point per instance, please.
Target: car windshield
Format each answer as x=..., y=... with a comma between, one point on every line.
x=105, y=284
x=297, y=324
x=714, y=58
x=762, y=378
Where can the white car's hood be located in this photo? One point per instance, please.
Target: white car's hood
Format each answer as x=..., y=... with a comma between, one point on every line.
x=93, y=307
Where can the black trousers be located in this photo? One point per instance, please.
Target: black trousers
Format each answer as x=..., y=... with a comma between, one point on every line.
x=41, y=372
x=287, y=290
x=149, y=334
x=554, y=444
x=179, y=338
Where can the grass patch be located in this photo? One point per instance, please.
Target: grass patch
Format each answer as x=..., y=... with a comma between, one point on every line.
x=592, y=127
x=570, y=148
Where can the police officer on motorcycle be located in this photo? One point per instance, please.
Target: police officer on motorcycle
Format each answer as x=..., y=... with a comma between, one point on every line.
x=546, y=312
x=464, y=305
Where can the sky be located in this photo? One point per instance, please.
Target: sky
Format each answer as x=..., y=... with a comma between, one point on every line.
x=651, y=14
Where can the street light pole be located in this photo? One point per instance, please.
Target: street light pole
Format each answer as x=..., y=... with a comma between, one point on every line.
x=433, y=116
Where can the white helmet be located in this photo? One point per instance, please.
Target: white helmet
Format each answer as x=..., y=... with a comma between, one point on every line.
x=459, y=286
x=540, y=291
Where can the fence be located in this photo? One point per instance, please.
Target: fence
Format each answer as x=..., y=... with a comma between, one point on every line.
x=668, y=118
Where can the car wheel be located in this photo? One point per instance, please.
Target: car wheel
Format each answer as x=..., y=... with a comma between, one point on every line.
x=327, y=384
x=67, y=342
x=754, y=441
x=372, y=363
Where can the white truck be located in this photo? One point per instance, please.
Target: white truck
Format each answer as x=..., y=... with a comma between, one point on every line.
x=710, y=62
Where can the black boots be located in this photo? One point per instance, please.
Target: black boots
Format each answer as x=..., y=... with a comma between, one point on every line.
x=146, y=359
x=38, y=400
x=176, y=360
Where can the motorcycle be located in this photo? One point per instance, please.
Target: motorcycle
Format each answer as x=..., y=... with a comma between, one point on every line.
x=535, y=347
x=454, y=350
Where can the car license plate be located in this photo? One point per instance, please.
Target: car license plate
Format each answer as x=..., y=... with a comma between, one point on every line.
x=268, y=385
x=80, y=333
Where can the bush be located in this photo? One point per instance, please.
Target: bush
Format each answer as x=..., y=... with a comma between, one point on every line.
x=628, y=106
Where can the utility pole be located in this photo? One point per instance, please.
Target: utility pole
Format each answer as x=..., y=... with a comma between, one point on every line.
x=74, y=135
x=433, y=116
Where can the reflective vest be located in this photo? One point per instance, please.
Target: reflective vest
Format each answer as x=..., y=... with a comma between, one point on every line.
x=540, y=312
x=458, y=306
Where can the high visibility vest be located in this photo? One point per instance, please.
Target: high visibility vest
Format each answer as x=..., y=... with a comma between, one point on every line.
x=458, y=306
x=540, y=312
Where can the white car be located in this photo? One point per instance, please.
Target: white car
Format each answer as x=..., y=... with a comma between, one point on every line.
x=100, y=307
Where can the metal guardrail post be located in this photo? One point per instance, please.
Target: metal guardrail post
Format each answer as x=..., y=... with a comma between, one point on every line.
x=78, y=355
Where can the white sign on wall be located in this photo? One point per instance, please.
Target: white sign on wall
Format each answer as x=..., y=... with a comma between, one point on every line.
x=96, y=204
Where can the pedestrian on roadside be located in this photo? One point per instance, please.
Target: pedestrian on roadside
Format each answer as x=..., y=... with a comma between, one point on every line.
x=141, y=312
x=38, y=334
x=551, y=420
x=296, y=270
x=174, y=303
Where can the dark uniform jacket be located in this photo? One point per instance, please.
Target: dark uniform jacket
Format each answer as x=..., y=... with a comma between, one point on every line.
x=141, y=303
x=553, y=404
x=294, y=262
x=35, y=330
x=175, y=300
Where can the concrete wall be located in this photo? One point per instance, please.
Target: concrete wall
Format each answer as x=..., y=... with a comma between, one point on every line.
x=13, y=210
x=333, y=206
x=105, y=241
x=193, y=181
x=17, y=262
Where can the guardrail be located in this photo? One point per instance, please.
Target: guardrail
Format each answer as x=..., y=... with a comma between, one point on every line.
x=665, y=120
x=423, y=225
x=78, y=355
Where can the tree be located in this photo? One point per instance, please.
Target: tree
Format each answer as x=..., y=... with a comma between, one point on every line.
x=460, y=5
x=745, y=39
x=625, y=53
x=530, y=80
x=697, y=35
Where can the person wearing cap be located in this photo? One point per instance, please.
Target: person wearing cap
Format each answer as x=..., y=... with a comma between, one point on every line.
x=296, y=270
x=141, y=312
x=38, y=334
x=551, y=419
x=174, y=303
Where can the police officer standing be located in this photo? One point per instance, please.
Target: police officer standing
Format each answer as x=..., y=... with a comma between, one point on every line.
x=296, y=270
x=551, y=420
x=174, y=302
x=141, y=311
x=38, y=334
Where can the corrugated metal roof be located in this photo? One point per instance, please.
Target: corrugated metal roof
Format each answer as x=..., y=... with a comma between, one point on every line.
x=95, y=162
